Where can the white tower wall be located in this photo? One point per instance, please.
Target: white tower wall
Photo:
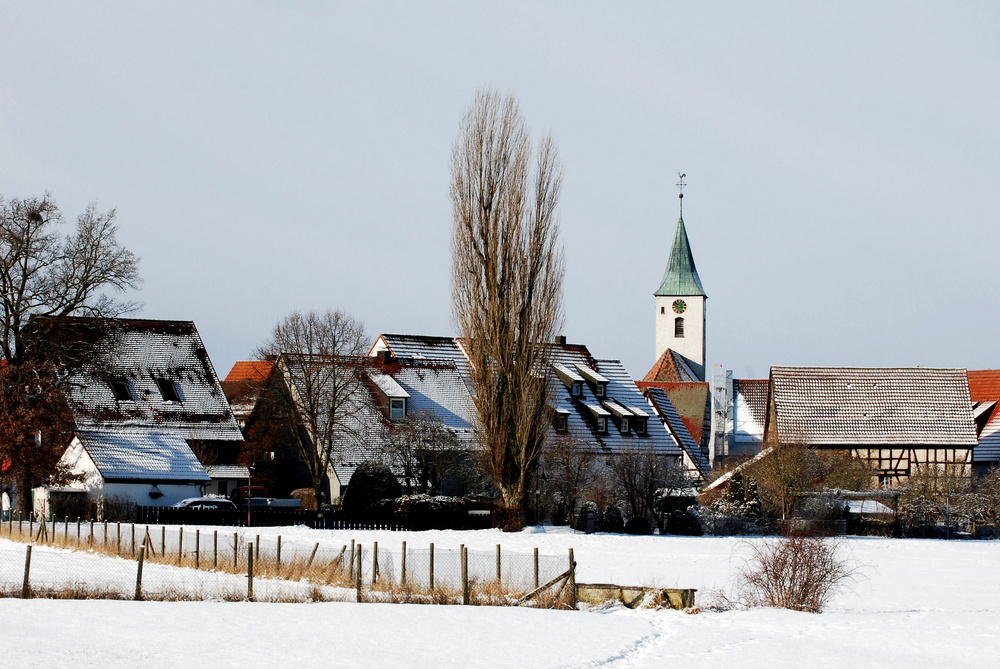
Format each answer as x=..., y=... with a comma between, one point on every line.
x=692, y=344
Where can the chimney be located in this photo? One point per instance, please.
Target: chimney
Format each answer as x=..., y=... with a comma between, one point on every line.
x=386, y=357
x=561, y=340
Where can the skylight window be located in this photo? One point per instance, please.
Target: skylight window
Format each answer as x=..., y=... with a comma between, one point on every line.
x=168, y=390
x=121, y=390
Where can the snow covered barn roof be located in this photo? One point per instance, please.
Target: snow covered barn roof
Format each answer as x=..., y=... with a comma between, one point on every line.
x=158, y=376
x=909, y=406
x=142, y=456
x=984, y=391
x=424, y=347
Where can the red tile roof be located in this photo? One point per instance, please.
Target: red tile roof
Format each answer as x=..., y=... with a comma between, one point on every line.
x=690, y=400
x=984, y=384
x=250, y=370
x=670, y=369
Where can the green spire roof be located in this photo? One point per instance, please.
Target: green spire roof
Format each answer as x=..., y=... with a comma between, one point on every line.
x=681, y=277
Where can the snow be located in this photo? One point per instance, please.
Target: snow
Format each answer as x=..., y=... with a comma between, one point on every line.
x=919, y=603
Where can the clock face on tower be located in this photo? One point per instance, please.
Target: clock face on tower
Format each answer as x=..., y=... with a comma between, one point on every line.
x=679, y=306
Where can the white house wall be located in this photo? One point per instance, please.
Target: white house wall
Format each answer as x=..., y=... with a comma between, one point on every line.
x=139, y=492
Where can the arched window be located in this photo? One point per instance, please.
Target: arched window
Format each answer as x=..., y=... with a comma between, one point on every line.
x=678, y=327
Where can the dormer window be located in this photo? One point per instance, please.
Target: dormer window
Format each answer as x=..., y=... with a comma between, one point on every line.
x=561, y=423
x=678, y=327
x=397, y=409
x=640, y=425
x=121, y=390
x=602, y=424
x=599, y=390
x=576, y=390
x=624, y=425
x=168, y=390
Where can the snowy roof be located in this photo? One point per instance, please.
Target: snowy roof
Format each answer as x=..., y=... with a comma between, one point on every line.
x=387, y=385
x=142, y=456
x=227, y=471
x=659, y=400
x=914, y=406
x=621, y=393
x=151, y=358
x=426, y=347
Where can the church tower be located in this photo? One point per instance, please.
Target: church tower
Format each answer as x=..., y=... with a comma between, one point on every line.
x=680, y=304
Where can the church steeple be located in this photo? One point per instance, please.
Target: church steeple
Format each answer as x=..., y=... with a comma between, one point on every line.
x=680, y=304
x=681, y=277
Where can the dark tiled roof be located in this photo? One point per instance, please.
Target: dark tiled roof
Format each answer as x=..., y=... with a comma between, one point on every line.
x=426, y=347
x=873, y=406
x=138, y=455
x=146, y=351
x=665, y=408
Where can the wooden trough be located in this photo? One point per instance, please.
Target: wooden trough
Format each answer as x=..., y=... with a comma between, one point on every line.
x=632, y=595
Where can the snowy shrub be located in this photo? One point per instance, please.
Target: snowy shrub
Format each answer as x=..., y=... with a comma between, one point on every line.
x=820, y=508
x=612, y=520
x=684, y=523
x=798, y=573
x=638, y=525
x=371, y=483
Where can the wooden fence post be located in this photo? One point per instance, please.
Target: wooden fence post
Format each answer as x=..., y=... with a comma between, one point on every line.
x=257, y=550
x=66, y=530
x=180, y=544
x=105, y=534
x=278, y=557
x=197, y=548
x=498, y=564
x=215, y=549
x=402, y=568
x=432, y=566
x=90, y=542
x=536, y=566
x=78, y=531
x=133, y=539
x=350, y=568
x=138, y=573
x=163, y=541
x=118, y=540
x=572, y=580
x=236, y=557
x=312, y=556
x=250, y=572
x=25, y=588
x=375, y=563
x=465, y=574
x=357, y=574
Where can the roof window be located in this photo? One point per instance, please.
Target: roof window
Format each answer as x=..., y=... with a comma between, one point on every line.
x=602, y=424
x=121, y=390
x=678, y=327
x=560, y=421
x=168, y=390
x=623, y=424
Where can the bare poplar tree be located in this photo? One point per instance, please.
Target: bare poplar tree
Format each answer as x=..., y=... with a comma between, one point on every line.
x=507, y=275
x=45, y=276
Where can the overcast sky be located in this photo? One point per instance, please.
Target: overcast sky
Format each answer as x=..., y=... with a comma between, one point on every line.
x=843, y=162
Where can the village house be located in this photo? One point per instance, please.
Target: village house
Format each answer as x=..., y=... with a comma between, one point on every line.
x=152, y=423
x=984, y=392
x=898, y=420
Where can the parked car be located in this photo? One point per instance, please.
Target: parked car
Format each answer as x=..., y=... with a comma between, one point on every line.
x=213, y=503
x=258, y=499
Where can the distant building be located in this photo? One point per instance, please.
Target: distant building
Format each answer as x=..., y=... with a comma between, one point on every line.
x=899, y=420
x=984, y=391
x=747, y=414
x=152, y=417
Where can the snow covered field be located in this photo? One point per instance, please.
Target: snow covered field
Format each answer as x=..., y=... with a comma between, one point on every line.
x=921, y=603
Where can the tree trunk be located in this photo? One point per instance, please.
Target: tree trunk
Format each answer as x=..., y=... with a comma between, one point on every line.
x=24, y=493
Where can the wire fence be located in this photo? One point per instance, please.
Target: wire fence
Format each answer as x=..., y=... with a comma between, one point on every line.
x=84, y=559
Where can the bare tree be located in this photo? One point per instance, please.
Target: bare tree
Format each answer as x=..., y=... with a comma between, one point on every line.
x=640, y=477
x=46, y=276
x=570, y=465
x=507, y=275
x=319, y=359
x=425, y=450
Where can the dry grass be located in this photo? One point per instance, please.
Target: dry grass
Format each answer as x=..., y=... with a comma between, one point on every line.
x=317, y=572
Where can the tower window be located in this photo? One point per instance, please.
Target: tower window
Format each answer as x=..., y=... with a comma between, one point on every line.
x=678, y=327
x=663, y=310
